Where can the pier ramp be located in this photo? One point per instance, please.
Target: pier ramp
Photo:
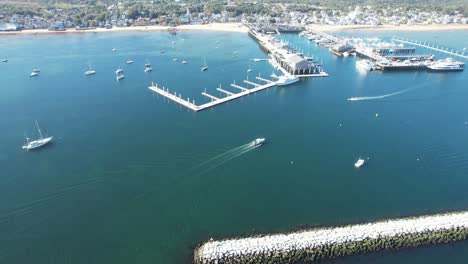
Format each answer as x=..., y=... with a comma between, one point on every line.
x=313, y=245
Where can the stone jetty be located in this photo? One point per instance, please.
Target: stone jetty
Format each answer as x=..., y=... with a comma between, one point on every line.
x=322, y=243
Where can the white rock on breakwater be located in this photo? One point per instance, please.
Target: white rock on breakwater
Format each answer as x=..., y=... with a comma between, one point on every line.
x=217, y=251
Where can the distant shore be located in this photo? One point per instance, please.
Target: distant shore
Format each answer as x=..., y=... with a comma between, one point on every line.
x=419, y=27
x=226, y=27
x=239, y=27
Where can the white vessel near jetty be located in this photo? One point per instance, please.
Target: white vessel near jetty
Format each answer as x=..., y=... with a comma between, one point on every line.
x=359, y=163
x=448, y=64
x=258, y=142
x=366, y=65
x=286, y=80
x=38, y=142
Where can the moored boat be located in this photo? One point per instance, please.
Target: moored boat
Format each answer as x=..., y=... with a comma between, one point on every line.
x=38, y=142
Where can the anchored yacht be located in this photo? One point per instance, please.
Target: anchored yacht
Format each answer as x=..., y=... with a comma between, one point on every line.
x=446, y=65
x=38, y=142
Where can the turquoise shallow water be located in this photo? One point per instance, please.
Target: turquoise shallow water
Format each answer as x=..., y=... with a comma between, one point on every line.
x=134, y=178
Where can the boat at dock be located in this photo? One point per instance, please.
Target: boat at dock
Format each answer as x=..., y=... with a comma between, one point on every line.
x=286, y=80
x=359, y=163
x=30, y=145
x=446, y=65
x=258, y=142
x=366, y=65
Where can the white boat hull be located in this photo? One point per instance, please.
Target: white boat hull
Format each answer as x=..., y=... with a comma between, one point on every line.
x=37, y=143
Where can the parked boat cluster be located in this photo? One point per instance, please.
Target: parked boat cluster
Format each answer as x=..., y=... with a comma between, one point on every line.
x=311, y=245
x=385, y=56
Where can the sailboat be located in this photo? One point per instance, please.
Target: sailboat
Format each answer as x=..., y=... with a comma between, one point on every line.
x=38, y=142
x=90, y=71
x=205, y=68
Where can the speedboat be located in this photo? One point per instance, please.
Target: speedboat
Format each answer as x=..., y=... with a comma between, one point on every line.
x=129, y=62
x=359, y=163
x=286, y=80
x=119, y=77
x=249, y=70
x=114, y=49
x=184, y=62
x=118, y=71
x=34, y=74
x=38, y=142
x=258, y=142
x=36, y=70
x=204, y=68
x=4, y=60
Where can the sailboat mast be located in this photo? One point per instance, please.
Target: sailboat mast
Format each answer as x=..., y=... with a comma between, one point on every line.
x=39, y=129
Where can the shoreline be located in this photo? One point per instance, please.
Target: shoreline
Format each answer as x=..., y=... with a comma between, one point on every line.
x=240, y=28
x=220, y=27
x=418, y=27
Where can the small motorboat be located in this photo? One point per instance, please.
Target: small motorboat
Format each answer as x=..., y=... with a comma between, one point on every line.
x=249, y=70
x=129, y=62
x=34, y=74
x=359, y=163
x=174, y=59
x=118, y=71
x=4, y=60
x=36, y=70
x=204, y=68
x=184, y=62
x=258, y=142
x=120, y=77
x=90, y=72
x=114, y=49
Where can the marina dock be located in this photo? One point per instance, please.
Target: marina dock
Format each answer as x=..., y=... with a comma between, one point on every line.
x=190, y=104
x=426, y=45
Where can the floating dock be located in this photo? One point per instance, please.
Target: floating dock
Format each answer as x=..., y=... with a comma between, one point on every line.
x=452, y=52
x=190, y=104
x=324, y=243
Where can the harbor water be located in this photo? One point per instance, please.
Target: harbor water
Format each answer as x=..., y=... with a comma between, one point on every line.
x=132, y=177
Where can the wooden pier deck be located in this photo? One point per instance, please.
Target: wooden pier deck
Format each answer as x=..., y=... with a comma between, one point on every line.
x=452, y=52
x=214, y=100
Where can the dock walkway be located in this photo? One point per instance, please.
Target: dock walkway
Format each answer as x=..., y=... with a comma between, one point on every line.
x=452, y=52
x=214, y=100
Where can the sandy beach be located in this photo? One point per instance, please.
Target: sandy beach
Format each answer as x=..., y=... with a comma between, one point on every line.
x=227, y=27
x=332, y=28
x=239, y=27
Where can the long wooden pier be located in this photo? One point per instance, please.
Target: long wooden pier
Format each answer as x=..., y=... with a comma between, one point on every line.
x=214, y=99
x=452, y=52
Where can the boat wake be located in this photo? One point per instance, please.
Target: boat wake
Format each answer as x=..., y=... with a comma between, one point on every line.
x=366, y=98
x=222, y=158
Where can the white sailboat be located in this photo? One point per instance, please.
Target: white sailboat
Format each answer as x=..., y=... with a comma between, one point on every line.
x=38, y=142
x=90, y=71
